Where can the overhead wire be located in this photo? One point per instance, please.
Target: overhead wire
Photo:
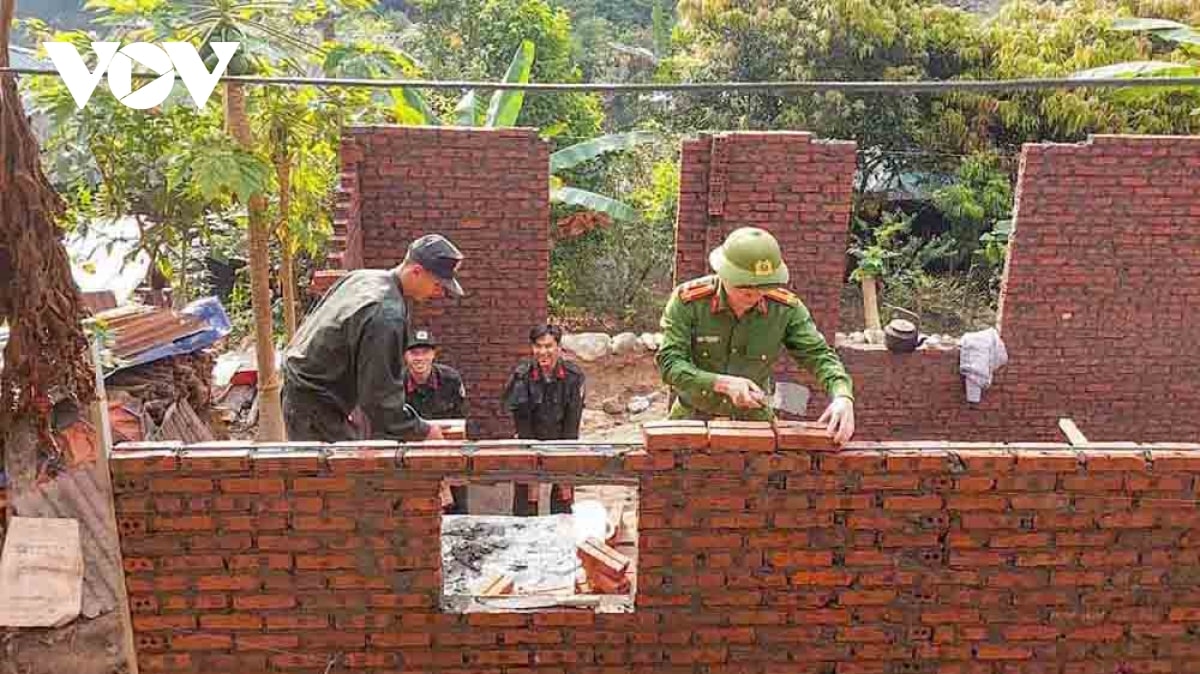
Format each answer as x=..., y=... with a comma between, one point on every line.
x=815, y=86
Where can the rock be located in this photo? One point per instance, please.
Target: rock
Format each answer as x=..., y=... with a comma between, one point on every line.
x=627, y=343
x=612, y=405
x=858, y=338
x=588, y=346
x=652, y=340
x=638, y=404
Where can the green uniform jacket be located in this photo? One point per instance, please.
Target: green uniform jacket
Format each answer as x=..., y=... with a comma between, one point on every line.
x=703, y=339
x=350, y=352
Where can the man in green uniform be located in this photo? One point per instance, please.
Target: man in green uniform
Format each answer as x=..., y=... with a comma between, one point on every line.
x=349, y=351
x=434, y=390
x=723, y=333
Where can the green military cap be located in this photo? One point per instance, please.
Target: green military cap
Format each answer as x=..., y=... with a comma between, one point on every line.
x=749, y=257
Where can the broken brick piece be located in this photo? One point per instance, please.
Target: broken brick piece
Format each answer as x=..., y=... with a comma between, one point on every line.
x=604, y=556
x=804, y=435
x=602, y=584
x=497, y=586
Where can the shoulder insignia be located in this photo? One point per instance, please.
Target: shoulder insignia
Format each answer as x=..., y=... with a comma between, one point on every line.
x=698, y=289
x=784, y=296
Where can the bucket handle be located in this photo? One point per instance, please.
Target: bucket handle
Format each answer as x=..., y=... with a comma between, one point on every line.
x=913, y=314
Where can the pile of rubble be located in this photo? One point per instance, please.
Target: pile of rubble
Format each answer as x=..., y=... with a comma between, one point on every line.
x=158, y=365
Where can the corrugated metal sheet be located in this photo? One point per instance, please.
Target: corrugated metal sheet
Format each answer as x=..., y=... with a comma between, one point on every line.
x=140, y=328
x=77, y=494
x=180, y=423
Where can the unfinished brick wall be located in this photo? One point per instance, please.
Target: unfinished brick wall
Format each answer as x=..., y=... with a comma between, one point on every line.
x=897, y=557
x=790, y=184
x=1096, y=310
x=486, y=190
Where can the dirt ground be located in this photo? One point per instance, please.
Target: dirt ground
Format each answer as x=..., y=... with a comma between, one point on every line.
x=621, y=378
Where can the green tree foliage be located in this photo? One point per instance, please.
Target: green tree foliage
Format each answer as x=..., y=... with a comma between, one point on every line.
x=473, y=39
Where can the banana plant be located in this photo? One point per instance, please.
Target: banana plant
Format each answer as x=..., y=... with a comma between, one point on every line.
x=1186, y=38
x=503, y=110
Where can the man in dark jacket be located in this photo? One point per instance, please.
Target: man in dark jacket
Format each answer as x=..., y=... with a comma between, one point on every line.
x=434, y=390
x=349, y=351
x=545, y=394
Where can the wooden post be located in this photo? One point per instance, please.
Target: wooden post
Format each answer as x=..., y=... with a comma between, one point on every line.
x=104, y=480
x=870, y=304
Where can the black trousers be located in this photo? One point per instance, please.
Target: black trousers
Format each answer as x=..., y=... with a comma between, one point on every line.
x=308, y=417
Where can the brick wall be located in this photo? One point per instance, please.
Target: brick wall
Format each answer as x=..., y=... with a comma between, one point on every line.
x=885, y=558
x=1095, y=310
x=487, y=190
x=790, y=184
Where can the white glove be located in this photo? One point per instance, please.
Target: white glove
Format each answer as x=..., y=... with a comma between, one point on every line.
x=839, y=417
x=742, y=392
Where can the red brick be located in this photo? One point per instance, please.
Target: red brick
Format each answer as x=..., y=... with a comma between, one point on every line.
x=272, y=642
x=504, y=459
x=741, y=439
x=181, y=485
x=322, y=485
x=912, y=503
x=260, y=485
x=999, y=652
x=201, y=642
x=260, y=602
x=234, y=621
x=436, y=460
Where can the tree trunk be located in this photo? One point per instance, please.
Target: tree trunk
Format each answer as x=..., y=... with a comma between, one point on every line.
x=270, y=410
x=287, y=270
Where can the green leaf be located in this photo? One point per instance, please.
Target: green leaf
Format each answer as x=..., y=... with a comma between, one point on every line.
x=572, y=156
x=572, y=196
x=466, y=113
x=1138, y=69
x=1136, y=24
x=218, y=169
x=505, y=106
x=409, y=107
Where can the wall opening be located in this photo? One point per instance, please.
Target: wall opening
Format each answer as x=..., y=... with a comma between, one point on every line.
x=527, y=545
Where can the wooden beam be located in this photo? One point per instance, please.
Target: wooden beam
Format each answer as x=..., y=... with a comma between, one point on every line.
x=1074, y=435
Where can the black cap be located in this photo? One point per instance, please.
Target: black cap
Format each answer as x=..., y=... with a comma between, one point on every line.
x=421, y=338
x=435, y=253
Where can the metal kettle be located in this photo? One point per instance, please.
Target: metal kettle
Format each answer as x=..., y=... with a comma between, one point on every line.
x=901, y=335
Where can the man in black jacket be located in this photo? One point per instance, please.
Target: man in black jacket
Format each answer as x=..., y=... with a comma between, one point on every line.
x=545, y=394
x=349, y=351
x=434, y=390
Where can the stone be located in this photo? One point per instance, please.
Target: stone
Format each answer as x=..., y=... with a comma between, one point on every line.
x=858, y=338
x=873, y=336
x=588, y=346
x=627, y=343
x=612, y=405
x=652, y=340
x=638, y=404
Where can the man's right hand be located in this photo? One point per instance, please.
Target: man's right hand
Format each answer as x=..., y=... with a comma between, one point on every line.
x=742, y=392
x=435, y=433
